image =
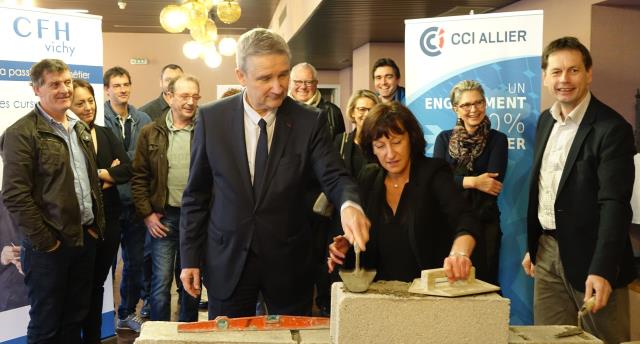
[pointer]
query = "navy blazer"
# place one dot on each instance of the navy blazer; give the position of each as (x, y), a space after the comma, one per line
(220, 217)
(592, 207)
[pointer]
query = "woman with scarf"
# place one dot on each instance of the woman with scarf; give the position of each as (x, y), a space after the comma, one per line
(478, 157)
(114, 167)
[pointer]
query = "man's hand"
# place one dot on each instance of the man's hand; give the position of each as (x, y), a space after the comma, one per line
(528, 266)
(190, 278)
(337, 252)
(10, 255)
(355, 225)
(155, 227)
(601, 287)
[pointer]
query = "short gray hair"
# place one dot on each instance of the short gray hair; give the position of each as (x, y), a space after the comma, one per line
(259, 42)
(309, 66)
(464, 86)
(186, 77)
(46, 66)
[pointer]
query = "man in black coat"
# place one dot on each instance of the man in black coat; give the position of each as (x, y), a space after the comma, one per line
(242, 210)
(579, 202)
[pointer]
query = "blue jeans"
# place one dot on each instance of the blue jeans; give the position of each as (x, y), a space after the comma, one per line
(132, 236)
(164, 253)
(59, 285)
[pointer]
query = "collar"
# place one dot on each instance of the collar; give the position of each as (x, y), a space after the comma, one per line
(72, 121)
(574, 116)
(254, 116)
(169, 120)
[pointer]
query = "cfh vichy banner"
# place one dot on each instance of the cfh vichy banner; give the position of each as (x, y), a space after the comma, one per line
(502, 52)
(28, 36)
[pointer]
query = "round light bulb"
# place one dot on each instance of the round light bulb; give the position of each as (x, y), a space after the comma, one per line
(210, 56)
(173, 18)
(197, 12)
(192, 50)
(229, 11)
(227, 46)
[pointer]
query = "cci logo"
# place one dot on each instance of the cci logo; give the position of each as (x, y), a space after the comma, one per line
(432, 41)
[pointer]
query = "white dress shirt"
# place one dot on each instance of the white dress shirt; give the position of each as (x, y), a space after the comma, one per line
(555, 157)
(252, 132)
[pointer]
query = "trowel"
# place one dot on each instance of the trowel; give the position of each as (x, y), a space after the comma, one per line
(586, 308)
(434, 282)
(357, 280)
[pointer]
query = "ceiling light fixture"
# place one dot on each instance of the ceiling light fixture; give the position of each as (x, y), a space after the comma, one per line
(195, 16)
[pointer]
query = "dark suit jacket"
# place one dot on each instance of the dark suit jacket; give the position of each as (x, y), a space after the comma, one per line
(220, 217)
(592, 208)
(437, 213)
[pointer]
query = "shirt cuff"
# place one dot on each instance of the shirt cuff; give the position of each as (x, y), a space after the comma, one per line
(351, 204)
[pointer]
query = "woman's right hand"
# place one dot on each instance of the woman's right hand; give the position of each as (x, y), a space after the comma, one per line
(487, 183)
(337, 252)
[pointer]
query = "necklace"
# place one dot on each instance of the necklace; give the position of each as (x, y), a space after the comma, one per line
(397, 185)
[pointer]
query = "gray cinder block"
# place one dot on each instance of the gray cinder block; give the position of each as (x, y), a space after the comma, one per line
(161, 332)
(388, 313)
(547, 335)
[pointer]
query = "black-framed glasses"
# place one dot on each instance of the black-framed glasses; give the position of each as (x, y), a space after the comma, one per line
(479, 104)
(307, 83)
(362, 110)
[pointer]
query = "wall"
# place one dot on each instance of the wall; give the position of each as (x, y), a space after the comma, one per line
(160, 50)
(561, 18)
(616, 57)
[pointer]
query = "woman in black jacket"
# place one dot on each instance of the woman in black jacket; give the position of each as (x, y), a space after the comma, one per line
(418, 217)
(114, 167)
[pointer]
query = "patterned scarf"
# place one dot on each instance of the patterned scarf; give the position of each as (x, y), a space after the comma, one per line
(466, 147)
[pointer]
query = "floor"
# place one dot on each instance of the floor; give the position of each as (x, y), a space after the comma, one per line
(128, 337)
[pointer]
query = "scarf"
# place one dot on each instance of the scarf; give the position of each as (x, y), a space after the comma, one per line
(466, 147)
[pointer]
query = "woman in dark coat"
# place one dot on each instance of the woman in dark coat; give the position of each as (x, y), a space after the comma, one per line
(478, 156)
(114, 167)
(418, 217)
(358, 107)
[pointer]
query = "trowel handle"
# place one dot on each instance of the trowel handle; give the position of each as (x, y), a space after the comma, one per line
(356, 248)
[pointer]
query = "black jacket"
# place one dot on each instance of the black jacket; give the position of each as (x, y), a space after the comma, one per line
(38, 182)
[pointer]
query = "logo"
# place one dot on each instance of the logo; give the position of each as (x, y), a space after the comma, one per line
(429, 37)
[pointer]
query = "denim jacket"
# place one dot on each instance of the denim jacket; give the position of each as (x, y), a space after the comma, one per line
(111, 121)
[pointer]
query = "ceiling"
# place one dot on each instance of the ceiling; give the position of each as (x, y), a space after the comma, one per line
(328, 38)
(143, 15)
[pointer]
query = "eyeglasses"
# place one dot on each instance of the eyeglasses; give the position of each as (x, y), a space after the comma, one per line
(362, 110)
(307, 83)
(185, 97)
(479, 104)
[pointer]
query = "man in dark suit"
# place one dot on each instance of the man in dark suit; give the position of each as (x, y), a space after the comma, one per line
(243, 212)
(579, 212)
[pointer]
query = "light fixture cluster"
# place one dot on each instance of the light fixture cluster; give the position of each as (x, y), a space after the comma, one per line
(194, 15)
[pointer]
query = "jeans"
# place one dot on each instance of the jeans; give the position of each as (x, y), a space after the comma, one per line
(59, 287)
(132, 236)
(164, 253)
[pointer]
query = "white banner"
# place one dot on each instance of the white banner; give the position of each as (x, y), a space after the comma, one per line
(502, 52)
(28, 36)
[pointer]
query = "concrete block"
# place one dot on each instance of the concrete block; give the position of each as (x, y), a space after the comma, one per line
(320, 336)
(388, 313)
(547, 335)
(161, 332)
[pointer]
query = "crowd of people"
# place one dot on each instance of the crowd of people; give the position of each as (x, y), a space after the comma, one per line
(261, 195)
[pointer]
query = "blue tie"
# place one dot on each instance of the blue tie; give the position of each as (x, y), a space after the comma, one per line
(262, 153)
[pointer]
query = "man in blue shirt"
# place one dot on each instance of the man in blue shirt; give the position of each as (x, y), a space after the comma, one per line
(126, 122)
(386, 81)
